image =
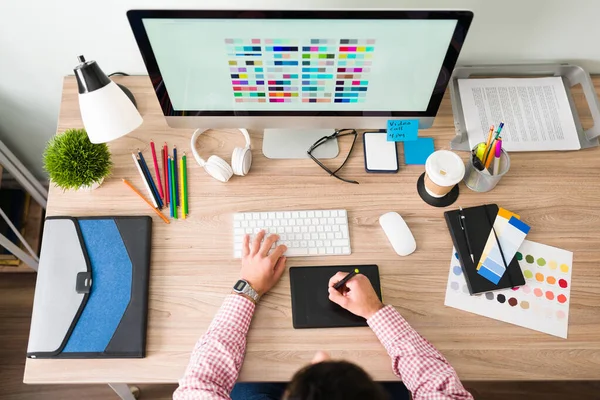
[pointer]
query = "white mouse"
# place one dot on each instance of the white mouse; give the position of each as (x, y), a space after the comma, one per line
(398, 233)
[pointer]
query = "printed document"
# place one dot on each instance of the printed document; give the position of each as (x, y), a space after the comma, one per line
(535, 112)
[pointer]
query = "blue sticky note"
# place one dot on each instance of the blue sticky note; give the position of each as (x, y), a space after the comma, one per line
(401, 130)
(417, 151)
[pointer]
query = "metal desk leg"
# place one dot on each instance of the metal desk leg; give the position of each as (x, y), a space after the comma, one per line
(124, 391)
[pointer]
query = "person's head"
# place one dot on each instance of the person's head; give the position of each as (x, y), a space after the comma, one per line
(325, 379)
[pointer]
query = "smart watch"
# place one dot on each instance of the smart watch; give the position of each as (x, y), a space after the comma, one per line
(244, 288)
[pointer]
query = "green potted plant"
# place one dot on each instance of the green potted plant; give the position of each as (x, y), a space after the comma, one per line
(73, 162)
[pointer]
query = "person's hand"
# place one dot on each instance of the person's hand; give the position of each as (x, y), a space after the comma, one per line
(259, 268)
(356, 296)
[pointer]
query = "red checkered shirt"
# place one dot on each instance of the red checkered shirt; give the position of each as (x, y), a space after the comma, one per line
(218, 356)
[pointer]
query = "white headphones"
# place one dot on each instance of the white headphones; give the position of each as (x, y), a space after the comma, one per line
(215, 166)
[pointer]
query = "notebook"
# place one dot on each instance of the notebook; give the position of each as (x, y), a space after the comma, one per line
(91, 295)
(479, 222)
(311, 307)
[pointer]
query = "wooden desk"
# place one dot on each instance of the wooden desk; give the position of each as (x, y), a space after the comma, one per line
(193, 269)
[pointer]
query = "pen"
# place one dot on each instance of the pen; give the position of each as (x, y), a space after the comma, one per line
(341, 283)
(498, 154)
(463, 226)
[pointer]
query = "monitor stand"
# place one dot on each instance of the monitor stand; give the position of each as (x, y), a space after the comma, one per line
(294, 143)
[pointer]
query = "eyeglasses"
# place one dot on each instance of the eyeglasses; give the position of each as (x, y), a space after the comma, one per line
(337, 134)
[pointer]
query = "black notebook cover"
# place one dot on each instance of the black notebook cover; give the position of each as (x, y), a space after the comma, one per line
(479, 221)
(91, 298)
(311, 307)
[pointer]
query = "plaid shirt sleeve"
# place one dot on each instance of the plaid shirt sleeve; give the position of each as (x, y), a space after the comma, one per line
(218, 356)
(424, 371)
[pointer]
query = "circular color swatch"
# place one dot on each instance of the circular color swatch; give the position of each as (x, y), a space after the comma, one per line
(524, 305)
(489, 296)
(549, 295)
(538, 292)
(552, 264)
(513, 302)
(560, 314)
(456, 255)
(501, 298)
(526, 289)
(529, 258)
(519, 256)
(457, 270)
(562, 283)
(454, 285)
(551, 280)
(561, 298)
(541, 262)
(515, 288)
(528, 274)
(539, 277)
(564, 268)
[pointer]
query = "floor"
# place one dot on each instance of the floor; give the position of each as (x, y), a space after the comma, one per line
(16, 299)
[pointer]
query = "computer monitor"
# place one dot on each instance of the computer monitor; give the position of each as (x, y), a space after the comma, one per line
(294, 73)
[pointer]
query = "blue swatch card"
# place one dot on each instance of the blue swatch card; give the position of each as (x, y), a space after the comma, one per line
(401, 130)
(417, 151)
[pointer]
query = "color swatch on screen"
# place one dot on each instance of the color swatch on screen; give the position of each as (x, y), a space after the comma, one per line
(280, 70)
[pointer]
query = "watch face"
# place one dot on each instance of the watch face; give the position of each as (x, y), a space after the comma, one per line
(239, 286)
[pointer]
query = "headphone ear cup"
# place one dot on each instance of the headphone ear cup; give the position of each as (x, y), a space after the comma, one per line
(241, 160)
(219, 169)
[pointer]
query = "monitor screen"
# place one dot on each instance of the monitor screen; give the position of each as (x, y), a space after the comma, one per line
(256, 63)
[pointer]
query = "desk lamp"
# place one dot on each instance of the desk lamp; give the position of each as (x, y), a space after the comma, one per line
(108, 110)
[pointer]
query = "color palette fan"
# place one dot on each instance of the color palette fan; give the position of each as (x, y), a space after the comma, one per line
(542, 304)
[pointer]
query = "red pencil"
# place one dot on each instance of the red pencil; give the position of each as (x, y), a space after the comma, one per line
(166, 171)
(156, 170)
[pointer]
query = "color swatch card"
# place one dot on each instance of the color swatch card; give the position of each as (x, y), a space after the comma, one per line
(507, 236)
(542, 304)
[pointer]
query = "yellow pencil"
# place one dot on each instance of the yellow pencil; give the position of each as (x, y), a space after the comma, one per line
(181, 194)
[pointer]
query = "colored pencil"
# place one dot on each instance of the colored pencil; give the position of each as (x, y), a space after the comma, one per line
(170, 189)
(181, 188)
(149, 178)
(157, 171)
(176, 197)
(166, 171)
(125, 181)
(185, 186)
(490, 133)
(173, 189)
(137, 164)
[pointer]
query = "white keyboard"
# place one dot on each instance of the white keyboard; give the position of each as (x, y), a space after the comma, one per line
(305, 233)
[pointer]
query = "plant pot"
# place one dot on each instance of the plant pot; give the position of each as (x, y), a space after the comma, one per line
(91, 187)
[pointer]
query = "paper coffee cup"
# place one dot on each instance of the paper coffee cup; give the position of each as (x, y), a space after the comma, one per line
(443, 170)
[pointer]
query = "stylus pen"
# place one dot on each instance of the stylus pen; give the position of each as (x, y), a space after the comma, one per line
(176, 196)
(341, 283)
(463, 225)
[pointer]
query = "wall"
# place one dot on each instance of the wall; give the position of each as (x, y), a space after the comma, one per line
(40, 39)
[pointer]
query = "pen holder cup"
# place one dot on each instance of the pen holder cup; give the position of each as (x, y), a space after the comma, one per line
(484, 181)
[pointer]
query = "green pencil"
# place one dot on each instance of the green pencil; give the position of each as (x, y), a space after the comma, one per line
(173, 186)
(185, 189)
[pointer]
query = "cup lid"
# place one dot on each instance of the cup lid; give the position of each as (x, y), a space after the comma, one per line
(445, 168)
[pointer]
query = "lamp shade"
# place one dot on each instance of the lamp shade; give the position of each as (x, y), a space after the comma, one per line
(106, 111)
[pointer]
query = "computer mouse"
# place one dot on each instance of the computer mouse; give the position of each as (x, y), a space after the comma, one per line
(398, 233)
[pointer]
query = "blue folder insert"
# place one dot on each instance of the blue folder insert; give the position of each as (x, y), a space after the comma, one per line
(110, 292)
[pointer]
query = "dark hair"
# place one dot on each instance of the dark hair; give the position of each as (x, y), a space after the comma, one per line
(333, 380)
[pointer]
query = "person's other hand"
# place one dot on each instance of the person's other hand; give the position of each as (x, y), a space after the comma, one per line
(259, 268)
(356, 296)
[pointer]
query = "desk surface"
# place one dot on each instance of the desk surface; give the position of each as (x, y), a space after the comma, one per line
(192, 266)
